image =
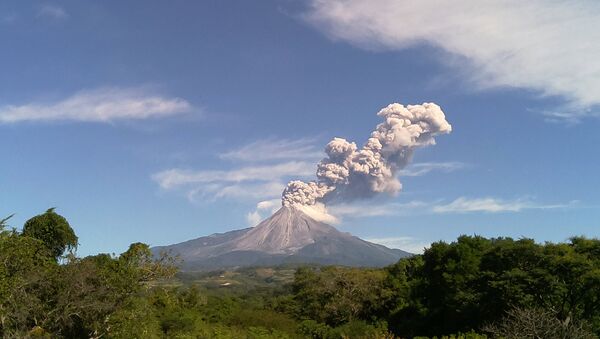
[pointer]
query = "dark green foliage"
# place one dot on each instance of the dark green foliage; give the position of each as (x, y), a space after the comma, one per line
(73, 299)
(335, 295)
(503, 287)
(469, 335)
(53, 230)
(475, 281)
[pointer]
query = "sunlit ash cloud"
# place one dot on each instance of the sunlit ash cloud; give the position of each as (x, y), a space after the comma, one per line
(349, 173)
(98, 105)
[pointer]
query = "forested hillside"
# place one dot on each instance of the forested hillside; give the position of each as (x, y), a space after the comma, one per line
(475, 286)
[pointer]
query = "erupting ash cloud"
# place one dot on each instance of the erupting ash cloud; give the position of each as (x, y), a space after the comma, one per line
(349, 173)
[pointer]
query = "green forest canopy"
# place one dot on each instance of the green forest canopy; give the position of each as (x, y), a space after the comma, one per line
(495, 287)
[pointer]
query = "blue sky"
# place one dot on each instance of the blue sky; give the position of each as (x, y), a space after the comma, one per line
(160, 121)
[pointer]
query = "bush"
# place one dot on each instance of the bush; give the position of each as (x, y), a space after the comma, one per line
(524, 323)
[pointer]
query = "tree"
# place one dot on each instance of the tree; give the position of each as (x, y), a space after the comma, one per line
(53, 230)
(24, 262)
(336, 295)
(3, 223)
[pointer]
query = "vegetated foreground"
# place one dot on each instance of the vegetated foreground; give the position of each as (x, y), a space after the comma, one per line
(483, 288)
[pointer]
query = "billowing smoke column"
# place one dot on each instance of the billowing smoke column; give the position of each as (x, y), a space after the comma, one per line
(349, 173)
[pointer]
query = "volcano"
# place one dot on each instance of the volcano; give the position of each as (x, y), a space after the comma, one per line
(289, 236)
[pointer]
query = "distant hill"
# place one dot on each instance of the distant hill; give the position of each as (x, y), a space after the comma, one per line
(288, 236)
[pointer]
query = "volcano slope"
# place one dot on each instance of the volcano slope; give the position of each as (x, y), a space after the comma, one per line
(289, 236)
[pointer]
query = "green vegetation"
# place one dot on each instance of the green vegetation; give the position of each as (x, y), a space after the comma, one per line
(53, 230)
(473, 288)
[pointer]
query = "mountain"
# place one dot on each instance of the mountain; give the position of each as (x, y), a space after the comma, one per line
(288, 236)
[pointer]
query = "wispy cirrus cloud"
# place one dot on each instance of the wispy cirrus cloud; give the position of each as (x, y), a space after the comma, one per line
(97, 105)
(241, 191)
(245, 182)
(361, 210)
(541, 45)
(456, 206)
(52, 12)
(423, 168)
(408, 244)
(494, 205)
(179, 177)
(259, 172)
(275, 149)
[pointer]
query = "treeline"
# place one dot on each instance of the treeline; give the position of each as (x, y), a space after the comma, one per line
(472, 288)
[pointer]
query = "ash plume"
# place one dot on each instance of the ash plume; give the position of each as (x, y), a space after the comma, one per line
(348, 173)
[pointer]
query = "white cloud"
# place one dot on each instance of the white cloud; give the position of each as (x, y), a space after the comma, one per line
(52, 12)
(362, 210)
(254, 191)
(262, 208)
(492, 205)
(98, 105)
(459, 205)
(407, 244)
(260, 176)
(275, 149)
(222, 190)
(419, 169)
(547, 46)
(273, 205)
(178, 177)
(319, 212)
(253, 218)
(249, 182)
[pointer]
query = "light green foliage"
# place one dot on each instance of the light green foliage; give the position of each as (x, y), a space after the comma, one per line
(23, 264)
(136, 319)
(335, 295)
(139, 260)
(53, 230)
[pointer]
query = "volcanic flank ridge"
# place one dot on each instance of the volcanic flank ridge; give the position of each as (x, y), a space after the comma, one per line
(288, 236)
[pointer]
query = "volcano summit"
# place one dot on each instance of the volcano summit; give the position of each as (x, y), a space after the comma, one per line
(288, 236)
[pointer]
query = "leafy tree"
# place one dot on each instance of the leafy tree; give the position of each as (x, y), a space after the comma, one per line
(336, 295)
(24, 263)
(4, 222)
(139, 259)
(473, 281)
(136, 320)
(53, 230)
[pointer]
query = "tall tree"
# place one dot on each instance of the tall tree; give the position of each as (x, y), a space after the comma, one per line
(53, 230)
